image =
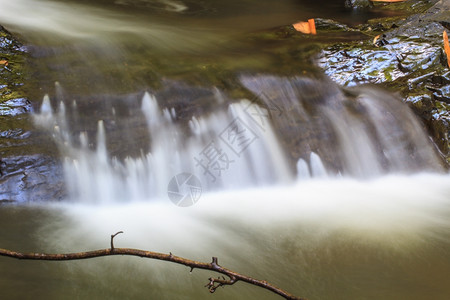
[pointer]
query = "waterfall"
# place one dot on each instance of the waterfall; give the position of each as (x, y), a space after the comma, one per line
(227, 149)
(239, 145)
(361, 132)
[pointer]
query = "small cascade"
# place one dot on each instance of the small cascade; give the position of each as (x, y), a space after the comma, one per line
(317, 168)
(303, 169)
(243, 144)
(361, 132)
(227, 149)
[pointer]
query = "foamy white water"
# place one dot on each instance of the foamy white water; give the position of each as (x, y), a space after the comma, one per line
(392, 209)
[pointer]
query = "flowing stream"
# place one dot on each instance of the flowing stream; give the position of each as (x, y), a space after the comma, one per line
(172, 125)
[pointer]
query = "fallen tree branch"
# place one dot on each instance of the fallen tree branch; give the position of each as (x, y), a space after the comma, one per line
(213, 284)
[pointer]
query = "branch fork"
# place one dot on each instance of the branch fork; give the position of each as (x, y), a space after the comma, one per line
(112, 239)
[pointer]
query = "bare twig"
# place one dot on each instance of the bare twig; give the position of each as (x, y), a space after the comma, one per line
(213, 284)
(112, 239)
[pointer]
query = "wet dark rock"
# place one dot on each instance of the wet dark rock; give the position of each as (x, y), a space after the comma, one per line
(28, 171)
(366, 63)
(190, 100)
(9, 45)
(406, 56)
(31, 178)
(15, 107)
(358, 4)
(12, 75)
(441, 78)
(331, 25)
(29, 168)
(422, 105)
(441, 93)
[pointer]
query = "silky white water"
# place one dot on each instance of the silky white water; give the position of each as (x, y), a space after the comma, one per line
(396, 209)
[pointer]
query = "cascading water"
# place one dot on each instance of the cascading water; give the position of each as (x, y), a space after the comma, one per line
(363, 132)
(228, 149)
(365, 135)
